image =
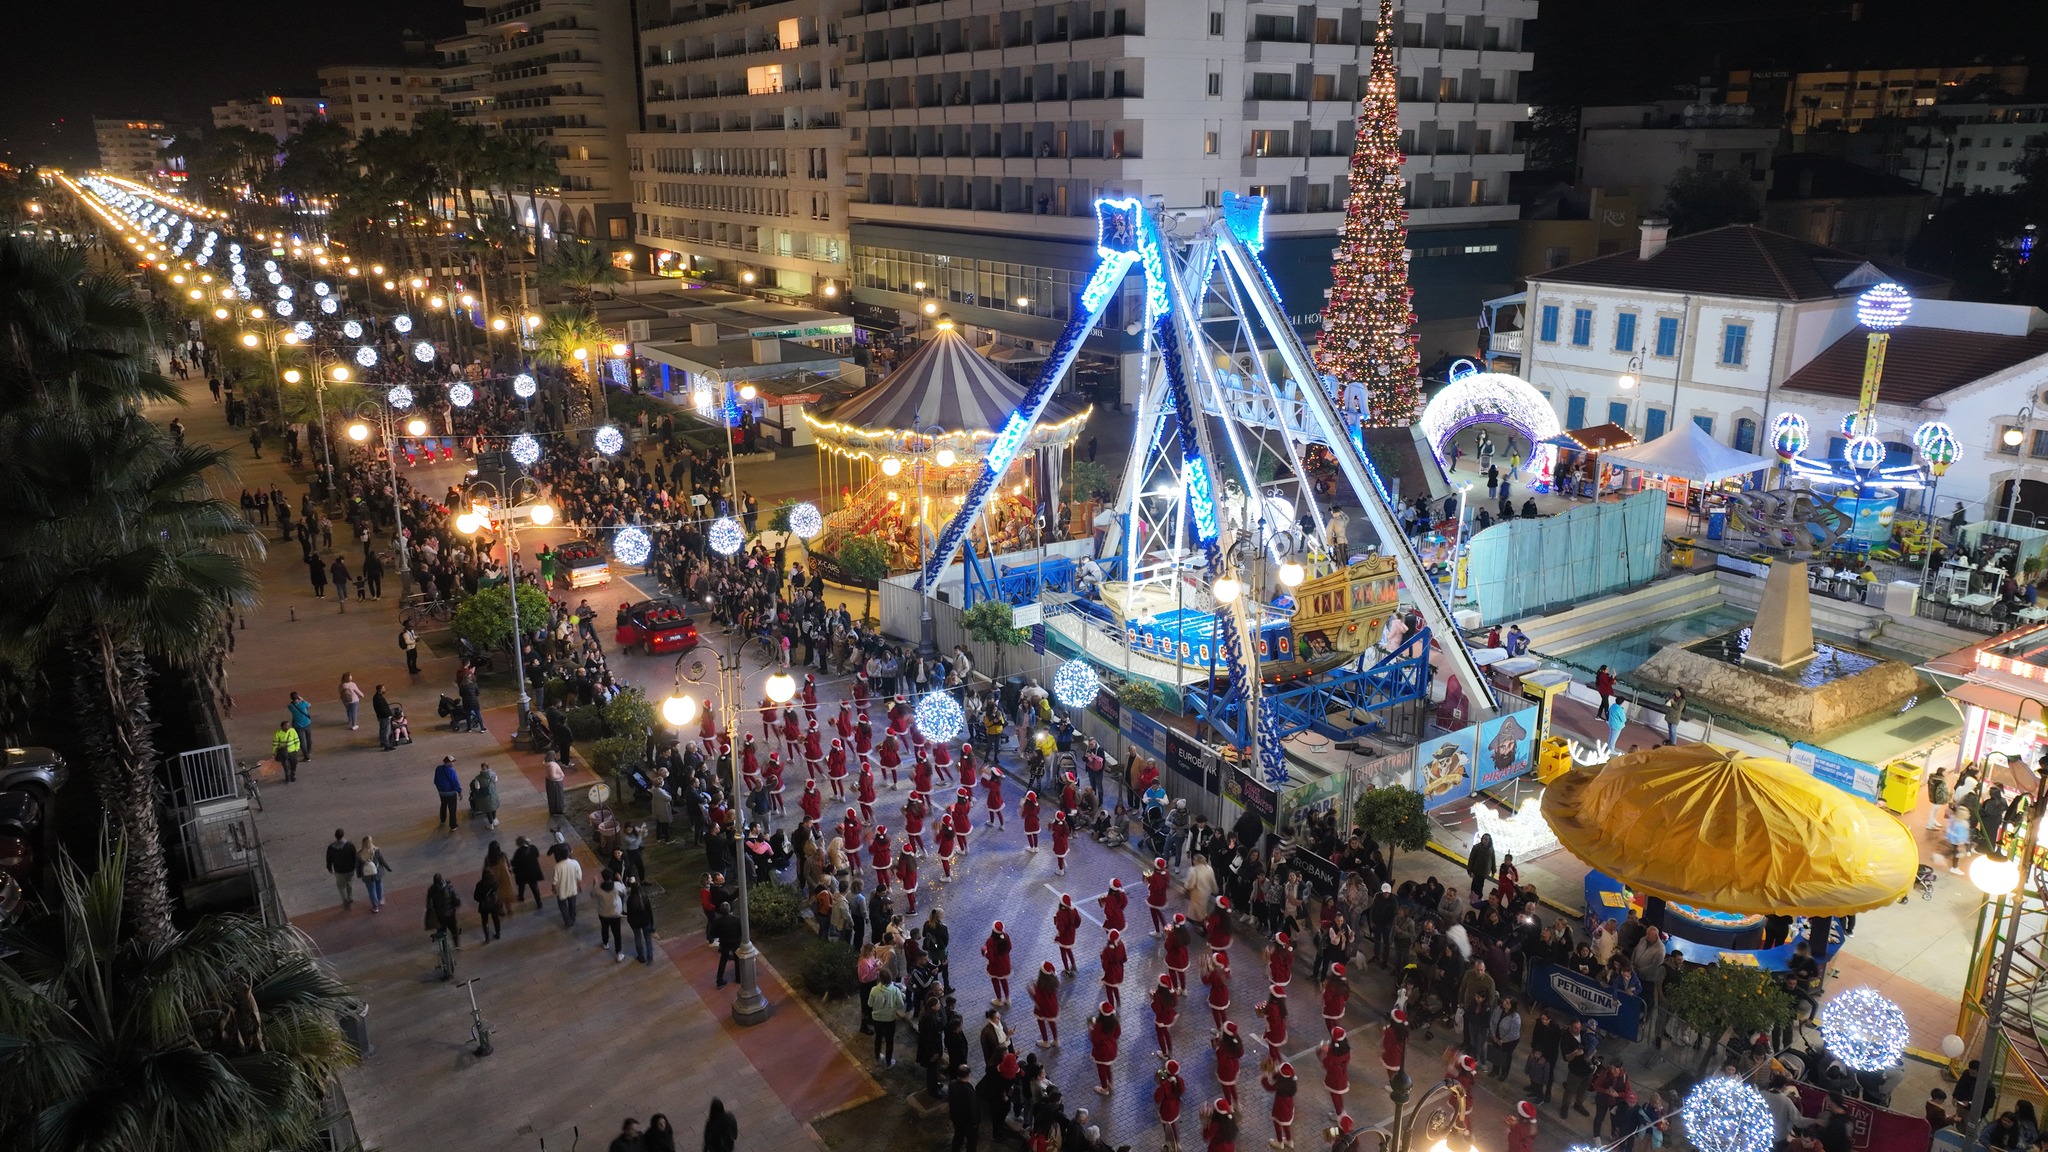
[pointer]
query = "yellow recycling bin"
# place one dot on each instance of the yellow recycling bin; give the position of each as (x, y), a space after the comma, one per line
(1901, 789)
(1554, 760)
(1681, 551)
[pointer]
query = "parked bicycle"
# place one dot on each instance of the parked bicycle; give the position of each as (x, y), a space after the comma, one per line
(250, 790)
(446, 944)
(479, 1031)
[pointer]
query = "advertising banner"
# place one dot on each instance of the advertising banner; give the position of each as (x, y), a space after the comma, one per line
(1507, 747)
(1191, 761)
(1246, 791)
(1851, 776)
(1616, 1013)
(1871, 1129)
(1443, 768)
(1320, 872)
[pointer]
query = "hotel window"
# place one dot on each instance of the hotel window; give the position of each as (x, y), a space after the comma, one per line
(1215, 83)
(1625, 332)
(1209, 144)
(1734, 345)
(1582, 327)
(2040, 444)
(1546, 327)
(1667, 336)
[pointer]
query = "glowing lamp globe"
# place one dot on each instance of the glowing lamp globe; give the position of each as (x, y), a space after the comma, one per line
(525, 449)
(320, 288)
(400, 397)
(1292, 574)
(523, 386)
(367, 357)
(1864, 1030)
(678, 710)
(1789, 434)
(402, 323)
(1995, 875)
(780, 688)
(726, 536)
(284, 292)
(353, 329)
(609, 440)
(1227, 590)
(806, 521)
(631, 546)
(891, 466)
(1884, 307)
(423, 352)
(359, 432)
(1725, 1114)
(302, 330)
(416, 427)
(946, 457)
(1075, 684)
(284, 307)
(1864, 453)
(939, 717)
(541, 514)
(461, 395)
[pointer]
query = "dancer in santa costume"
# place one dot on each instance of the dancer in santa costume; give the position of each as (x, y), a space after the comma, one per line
(1028, 811)
(1216, 974)
(1158, 881)
(1280, 1081)
(1522, 1128)
(775, 786)
(993, 782)
(1229, 1050)
(1113, 958)
(906, 879)
(1167, 1090)
(942, 760)
(920, 772)
(1219, 1125)
(1335, 1056)
(1274, 1013)
(1165, 1010)
(864, 744)
(1219, 928)
(850, 834)
(770, 713)
(860, 690)
(750, 765)
(1045, 1006)
(842, 722)
(1066, 921)
(889, 754)
(810, 698)
(1336, 996)
(1104, 1030)
(1061, 836)
(996, 951)
(864, 791)
(948, 845)
(792, 736)
(879, 857)
(812, 802)
(1175, 949)
(913, 824)
(963, 816)
(1393, 1044)
(1113, 903)
(814, 749)
(835, 771)
(1280, 960)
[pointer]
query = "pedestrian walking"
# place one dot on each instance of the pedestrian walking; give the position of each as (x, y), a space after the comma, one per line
(449, 787)
(640, 918)
(611, 914)
(721, 1128)
(372, 868)
(351, 698)
(341, 864)
(301, 711)
(558, 795)
(338, 573)
(490, 909)
(567, 883)
(442, 905)
(409, 643)
(885, 1005)
(483, 796)
(725, 933)
(527, 873)
(284, 746)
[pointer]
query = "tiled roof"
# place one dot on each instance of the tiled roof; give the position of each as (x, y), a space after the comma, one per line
(1919, 363)
(1739, 260)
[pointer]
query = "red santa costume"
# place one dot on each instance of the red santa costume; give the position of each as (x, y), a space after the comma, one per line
(968, 761)
(913, 825)
(810, 698)
(770, 713)
(860, 690)
(1113, 904)
(1165, 1010)
(1216, 974)
(1282, 1084)
(1061, 834)
(993, 782)
(811, 802)
(835, 770)
(775, 788)
(1166, 1097)
(920, 773)
(889, 754)
(996, 952)
(942, 761)
(1274, 1012)
(1113, 958)
(963, 816)
(750, 765)
(1335, 1055)
(1066, 921)
(814, 749)
(1029, 811)
(1229, 1051)
(850, 832)
(1104, 1030)
(1219, 1126)
(879, 857)
(906, 878)
(1336, 996)
(1219, 927)
(864, 743)
(792, 735)
(1522, 1128)
(1045, 1006)
(1280, 960)
(1175, 950)
(842, 724)
(899, 717)
(1393, 1044)
(864, 791)
(948, 846)
(1158, 882)
(707, 731)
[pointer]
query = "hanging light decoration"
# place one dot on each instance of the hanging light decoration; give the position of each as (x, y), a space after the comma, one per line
(423, 352)
(1864, 1030)
(1884, 307)
(939, 717)
(302, 330)
(461, 395)
(806, 521)
(1076, 684)
(1789, 434)
(367, 357)
(400, 397)
(524, 387)
(1864, 453)
(402, 322)
(329, 305)
(726, 535)
(284, 308)
(609, 440)
(525, 449)
(320, 288)
(1725, 1114)
(353, 329)
(631, 546)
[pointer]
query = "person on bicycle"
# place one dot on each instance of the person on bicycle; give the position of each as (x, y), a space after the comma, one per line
(443, 902)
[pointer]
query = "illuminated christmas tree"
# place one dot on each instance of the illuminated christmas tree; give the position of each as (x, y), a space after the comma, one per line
(1369, 324)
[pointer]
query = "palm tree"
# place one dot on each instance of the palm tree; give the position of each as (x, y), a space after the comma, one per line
(562, 333)
(69, 336)
(578, 269)
(221, 1038)
(116, 552)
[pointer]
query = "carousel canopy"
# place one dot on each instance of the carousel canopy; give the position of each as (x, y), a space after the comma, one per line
(946, 382)
(1689, 453)
(1713, 828)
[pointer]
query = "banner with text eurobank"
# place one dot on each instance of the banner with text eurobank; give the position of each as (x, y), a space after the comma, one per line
(1443, 768)
(1566, 990)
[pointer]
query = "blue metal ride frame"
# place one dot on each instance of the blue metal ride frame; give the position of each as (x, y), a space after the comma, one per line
(1399, 677)
(1022, 583)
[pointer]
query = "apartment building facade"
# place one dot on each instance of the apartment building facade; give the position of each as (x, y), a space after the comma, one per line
(1848, 100)
(1955, 149)
(979, 135)
(379, 97)
(280, 117)
(739, 170)
(131, 147)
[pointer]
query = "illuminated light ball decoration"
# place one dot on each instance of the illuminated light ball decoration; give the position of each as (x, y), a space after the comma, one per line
(284, 308)
(400, 397)
(525, 449)
(1864, 1030)
(1075, 683)
(726, 535)
(367, 357)
(461, 395)
(523, 386)
(353, 329)
(1864, 453)
(402, 322)
(1939, 447)
(1884, 307)
(284, 291)
(1725, 1114)
(423, 352)
(609, 440)
(1790, 435)
(806, 521)
(302, 330)
(329, 306)
(939, 717)
(631, 546)
(320, 288)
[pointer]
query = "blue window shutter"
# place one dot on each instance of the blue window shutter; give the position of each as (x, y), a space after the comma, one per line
(1653, 423)
(1547, 330)
(1667, 336)
(1732, 341)
(1582, 327)
(1745, 435)
(1625, 332)
(1706, 424)
(1617, 413)
(1575, 412)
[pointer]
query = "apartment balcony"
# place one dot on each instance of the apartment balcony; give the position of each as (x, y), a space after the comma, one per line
(1505, 343)
(699, 13)
(1414, 60)
(1087, 48)
(995, 167)
(993, 112)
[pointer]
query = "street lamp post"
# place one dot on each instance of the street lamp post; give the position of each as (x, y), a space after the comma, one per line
(521, 500)
(1397, 1132)
(2012, 438)
(359, 431)
(750, 1006)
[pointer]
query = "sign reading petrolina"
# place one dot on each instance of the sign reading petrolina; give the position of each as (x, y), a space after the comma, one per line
(816, 331)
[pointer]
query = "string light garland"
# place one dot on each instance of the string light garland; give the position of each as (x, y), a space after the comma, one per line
(1864, 1030)
(1075, 683)
(1369, 321)
(525, 449)
(461, 395)
(939, 717)
(726, 536)
(806, 521)
(609, 440)
(631, 546)
(1725, 1114)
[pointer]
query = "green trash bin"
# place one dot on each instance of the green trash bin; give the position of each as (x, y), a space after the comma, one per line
(1901, 788)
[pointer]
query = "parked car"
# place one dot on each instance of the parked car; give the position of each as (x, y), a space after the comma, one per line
(34, 768)
(21, 832)
(656, 627)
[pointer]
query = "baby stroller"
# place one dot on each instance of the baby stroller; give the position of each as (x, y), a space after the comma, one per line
(401, 729)
(1923, 879)
(455, 712)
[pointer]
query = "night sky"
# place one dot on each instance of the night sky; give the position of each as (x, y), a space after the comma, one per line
(63, 63)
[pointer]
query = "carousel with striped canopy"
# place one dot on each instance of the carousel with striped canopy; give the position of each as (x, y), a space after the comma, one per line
(933, 419)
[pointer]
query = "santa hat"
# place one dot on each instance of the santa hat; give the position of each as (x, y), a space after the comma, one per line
(773, 757)
(1173, 1067)
(860, 675)
(1336, 1033)
(1286, 1069)
(1337, 970)
(1107, 1009)
(1280, 938)
(814, 726)
(1066, 901)
(849, 813)
(1220, 959)
(836, 743)
(1115, 935)
(1343, 1122)
(1116, 882)
(1180, 918)
(1045, 967)
(1030, 795)
(810, 785)
(1526, 1110)
(882, 830)
(1230, 1027)
(999, 926)
(1159, 862)
(1223, 1106)
(1008, 1067)
(1165, 981)
(808, 678)
(967, 793)
(1280, 991)
(750, 737)
(1468, 1063)
(900, 700)
(1400, 1016)
(1223, 902)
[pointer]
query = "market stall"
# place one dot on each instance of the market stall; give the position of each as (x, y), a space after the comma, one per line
(1580, 469)
(1690, 466)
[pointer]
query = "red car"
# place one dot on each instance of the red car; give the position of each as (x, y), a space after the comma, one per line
(656, 627)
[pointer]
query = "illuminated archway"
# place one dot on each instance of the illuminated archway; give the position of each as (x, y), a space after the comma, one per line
(1475, 398)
